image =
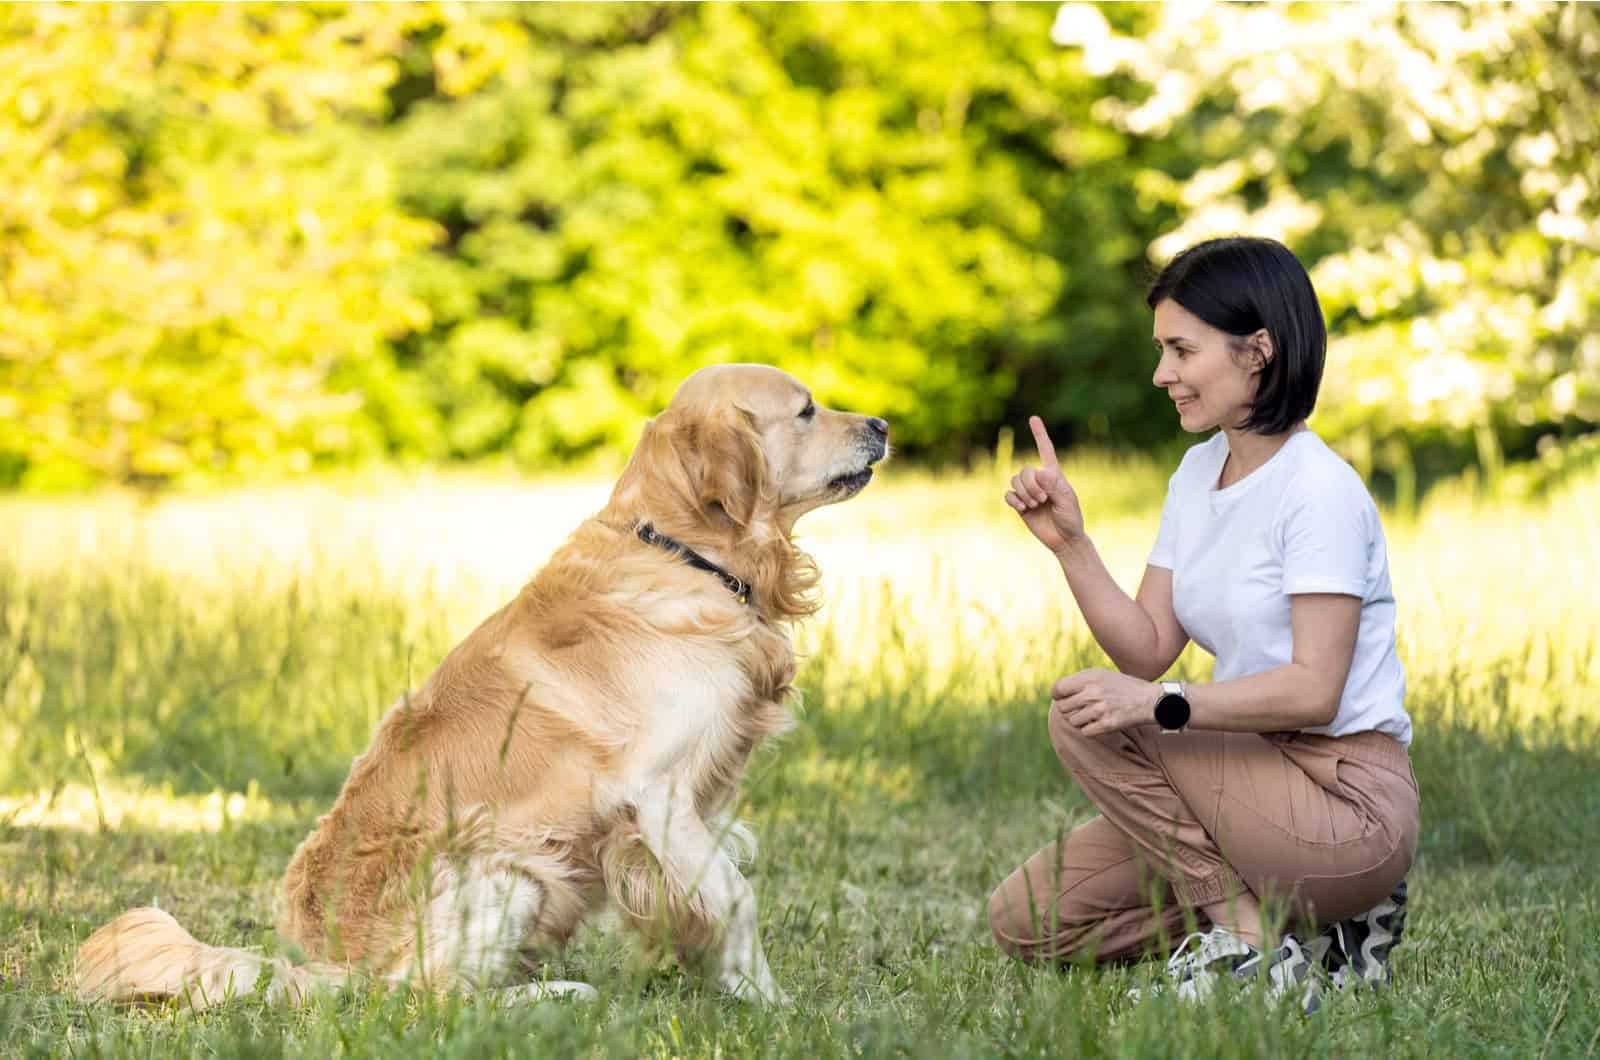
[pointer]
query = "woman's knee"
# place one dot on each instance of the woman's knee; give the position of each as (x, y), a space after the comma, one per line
(1022, 932)
(1031, 927)
(1075, 750)
(1063, 737)
(1121, 753)
(1008, 929)
(1020, 919)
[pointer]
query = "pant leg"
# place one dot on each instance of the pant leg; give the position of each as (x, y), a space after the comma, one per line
(1127, 783)
(1089, 896)
(1330, 825)
(1326, 824)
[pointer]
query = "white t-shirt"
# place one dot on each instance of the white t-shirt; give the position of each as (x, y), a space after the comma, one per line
(1303, 522)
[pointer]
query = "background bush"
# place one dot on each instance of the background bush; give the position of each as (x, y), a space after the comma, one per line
(256, 238)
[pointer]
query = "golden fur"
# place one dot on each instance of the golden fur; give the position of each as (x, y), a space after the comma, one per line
(582, 743)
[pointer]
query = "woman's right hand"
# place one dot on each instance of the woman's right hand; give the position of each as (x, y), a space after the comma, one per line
(1043, 498)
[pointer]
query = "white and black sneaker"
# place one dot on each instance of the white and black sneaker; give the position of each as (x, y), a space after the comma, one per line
(1204, 958)
(1356, 951)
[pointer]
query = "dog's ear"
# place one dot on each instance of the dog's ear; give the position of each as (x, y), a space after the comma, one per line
(729, 466)
(713, 468)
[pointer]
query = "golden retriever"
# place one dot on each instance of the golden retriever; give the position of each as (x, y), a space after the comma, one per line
(582, 744)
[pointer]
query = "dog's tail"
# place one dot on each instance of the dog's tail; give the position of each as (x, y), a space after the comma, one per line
(144, 954)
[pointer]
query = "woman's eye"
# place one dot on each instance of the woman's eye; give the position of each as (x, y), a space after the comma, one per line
(809, 411)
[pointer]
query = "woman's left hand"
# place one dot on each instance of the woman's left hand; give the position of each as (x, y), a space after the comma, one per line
(1096, 702)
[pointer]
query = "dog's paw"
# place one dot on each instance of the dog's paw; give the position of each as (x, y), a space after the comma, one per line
(762, 990)
(542, 991)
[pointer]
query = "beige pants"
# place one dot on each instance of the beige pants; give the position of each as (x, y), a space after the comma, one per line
(1324, 826)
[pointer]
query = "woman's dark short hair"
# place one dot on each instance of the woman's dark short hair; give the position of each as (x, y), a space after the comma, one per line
(1240, 285)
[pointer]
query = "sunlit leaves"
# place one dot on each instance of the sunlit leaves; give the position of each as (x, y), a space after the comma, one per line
(193, 254)
(247, 238)
(1438, 163)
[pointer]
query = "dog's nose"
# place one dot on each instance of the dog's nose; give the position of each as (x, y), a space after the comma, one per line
(881, 426)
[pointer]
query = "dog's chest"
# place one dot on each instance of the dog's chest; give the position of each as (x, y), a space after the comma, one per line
(709, 707)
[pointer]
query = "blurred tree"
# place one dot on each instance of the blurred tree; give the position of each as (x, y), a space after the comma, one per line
(909, 207)
(246, 237)
(1439, 164)
(193, 262)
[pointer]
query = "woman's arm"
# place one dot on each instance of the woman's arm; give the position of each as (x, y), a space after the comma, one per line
(1142, 635)
(1303, 693)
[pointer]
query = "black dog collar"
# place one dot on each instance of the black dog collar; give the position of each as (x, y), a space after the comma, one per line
(735, 584)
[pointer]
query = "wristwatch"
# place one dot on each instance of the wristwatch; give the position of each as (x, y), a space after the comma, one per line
(1172, 709)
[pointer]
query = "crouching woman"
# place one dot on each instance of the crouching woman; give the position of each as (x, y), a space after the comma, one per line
(1286, 778)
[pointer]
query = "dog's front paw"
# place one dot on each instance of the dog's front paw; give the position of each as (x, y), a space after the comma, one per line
(759, 990)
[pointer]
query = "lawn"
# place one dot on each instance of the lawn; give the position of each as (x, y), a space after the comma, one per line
(183, 683)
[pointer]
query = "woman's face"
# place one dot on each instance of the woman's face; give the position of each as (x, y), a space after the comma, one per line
(1209, 378)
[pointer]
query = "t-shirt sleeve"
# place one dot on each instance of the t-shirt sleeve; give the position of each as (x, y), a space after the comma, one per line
(1164, 553)
(1328, 528)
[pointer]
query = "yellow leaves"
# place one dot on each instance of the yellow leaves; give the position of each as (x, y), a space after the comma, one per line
(224, 221)
(174, 211)
(829, 288)
(472, 50)
(124, 407)
(157, 458)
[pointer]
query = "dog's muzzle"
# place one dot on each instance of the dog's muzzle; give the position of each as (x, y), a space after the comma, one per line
(874, 446)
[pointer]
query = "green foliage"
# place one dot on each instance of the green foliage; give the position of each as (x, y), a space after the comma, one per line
(1439, 164)
(196, 248)
(889, 208)
(249, 238)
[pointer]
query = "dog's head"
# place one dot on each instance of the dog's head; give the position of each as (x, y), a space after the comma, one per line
(738, 455)
(746, 446)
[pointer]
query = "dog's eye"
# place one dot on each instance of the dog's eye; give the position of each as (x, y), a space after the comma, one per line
(809, 411)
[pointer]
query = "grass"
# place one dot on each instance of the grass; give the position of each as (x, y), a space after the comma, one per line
(182, 685)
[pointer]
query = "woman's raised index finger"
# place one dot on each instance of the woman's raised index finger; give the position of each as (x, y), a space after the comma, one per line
(1041, 438)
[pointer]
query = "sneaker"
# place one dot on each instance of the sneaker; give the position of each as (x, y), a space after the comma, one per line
(1356, 951)
(1204, 958)
(1200, 948)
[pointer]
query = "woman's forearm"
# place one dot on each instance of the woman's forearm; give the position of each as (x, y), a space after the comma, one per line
(1284, 698)
(1123, 629)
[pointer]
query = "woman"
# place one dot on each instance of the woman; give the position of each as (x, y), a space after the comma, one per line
(1286, 778)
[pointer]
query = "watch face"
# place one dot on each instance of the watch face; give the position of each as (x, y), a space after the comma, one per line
(1172, 711)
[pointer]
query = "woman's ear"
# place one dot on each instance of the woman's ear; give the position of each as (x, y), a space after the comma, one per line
(1261, 349)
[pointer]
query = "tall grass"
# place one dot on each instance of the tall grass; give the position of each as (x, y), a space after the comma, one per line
(183, 683)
